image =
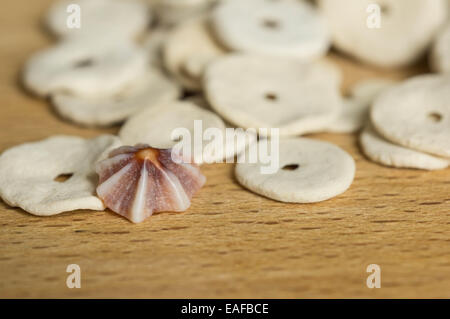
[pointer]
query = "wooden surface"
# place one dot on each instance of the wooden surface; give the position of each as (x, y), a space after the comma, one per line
(231, 243)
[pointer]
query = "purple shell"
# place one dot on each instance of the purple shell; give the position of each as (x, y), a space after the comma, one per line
(137, 181)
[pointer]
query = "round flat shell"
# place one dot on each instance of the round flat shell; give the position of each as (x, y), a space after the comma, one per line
(151, 89)
(416, 114)
(85, 67)
(386, 153)
(30, 174)
(283, 28)
(253, 91)
(386, 33)
(308, 171)
(168, 124)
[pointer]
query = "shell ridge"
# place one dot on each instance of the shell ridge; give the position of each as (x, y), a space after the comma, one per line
(140, 195)
(190, 177)
(109, 183)
(113, 165)
(179, 192)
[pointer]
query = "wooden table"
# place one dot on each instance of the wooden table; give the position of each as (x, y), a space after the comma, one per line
(231, 243)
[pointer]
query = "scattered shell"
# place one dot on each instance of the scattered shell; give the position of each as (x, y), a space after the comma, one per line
(85, 67)
(416, 114)
(307, 171)
(54, 175)
(137, 181)
(234, 144)
(254, 91)
(281, 28)
(150, 89)
(156, 126)
(413, 23)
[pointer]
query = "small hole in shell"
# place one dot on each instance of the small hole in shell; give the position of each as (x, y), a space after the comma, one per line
(84, 63)
(61, 178)
(384, 9)
(290, 167)
(348, 94)
(177, 139)
(271, 23)
(435, 117)
(271, 97)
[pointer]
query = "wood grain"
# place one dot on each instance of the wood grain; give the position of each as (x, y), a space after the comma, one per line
(231, 243)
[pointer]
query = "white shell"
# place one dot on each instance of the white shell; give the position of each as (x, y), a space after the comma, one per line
(384, 152)
(150, 89)
(85, 67)
(321, 171)
(416, 114)
(282, 28)
(407, 28)
(27, 174)
(155, 126)
(253, 91)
